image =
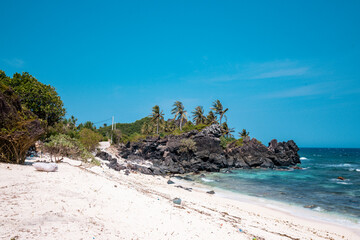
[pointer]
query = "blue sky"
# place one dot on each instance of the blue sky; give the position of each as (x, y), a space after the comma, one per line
(285, 69)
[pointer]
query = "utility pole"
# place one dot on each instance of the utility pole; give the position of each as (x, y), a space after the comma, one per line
(112, 129)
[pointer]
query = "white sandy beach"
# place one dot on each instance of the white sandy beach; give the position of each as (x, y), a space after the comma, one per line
(99, 203)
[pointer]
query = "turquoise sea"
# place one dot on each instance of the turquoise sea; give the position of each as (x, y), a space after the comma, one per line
(316, 186)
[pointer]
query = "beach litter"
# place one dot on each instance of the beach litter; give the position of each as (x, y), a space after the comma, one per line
(45, 167)
(170, 182)
(211, 192)
(177, 201)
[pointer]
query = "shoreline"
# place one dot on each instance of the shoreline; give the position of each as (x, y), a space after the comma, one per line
(82, 201)
(294, 210)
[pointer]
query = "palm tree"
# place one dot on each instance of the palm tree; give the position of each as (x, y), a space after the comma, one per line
(198, 115)
(243, 134)
(219, 110)
(179, 112)
(211, 118)
(157, 116)
(226, 130)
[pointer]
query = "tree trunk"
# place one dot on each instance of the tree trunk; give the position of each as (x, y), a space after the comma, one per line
(181, 123)
(157, 127)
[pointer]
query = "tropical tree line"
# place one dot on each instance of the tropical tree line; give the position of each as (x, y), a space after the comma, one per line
(181, 122)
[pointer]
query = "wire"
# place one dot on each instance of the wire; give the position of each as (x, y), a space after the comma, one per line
(103, 121)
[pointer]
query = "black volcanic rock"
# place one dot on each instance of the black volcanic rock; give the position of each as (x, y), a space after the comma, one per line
(168, 156)
(104, 156)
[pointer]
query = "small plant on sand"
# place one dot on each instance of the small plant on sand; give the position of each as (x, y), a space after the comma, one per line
(62, 145)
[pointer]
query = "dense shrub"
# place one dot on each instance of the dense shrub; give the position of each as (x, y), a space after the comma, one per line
(187, 145)
(62, 145)
(39, 98)
(89, 139)
(224, 141)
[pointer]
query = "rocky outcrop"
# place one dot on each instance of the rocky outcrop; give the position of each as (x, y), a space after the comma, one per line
(19, 128)
(201, 151)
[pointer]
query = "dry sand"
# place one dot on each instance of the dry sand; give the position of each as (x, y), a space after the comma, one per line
(98, 203)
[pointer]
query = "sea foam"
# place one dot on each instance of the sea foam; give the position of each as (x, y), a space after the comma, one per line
(207, 180)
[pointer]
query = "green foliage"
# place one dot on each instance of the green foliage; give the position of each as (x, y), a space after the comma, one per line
(198, 115)
(239, 142)
(95, 162)
(131, 128)
(116, 136)
(157, 116)
(189, 127)
(224, 141)
(211, 118)
(219, 110)
(126, 131)
(19, 128)
(244, 133)
(133, 138)
(39, 98)
(179, 112)
(147, 129)
(226, 131)
(62, 145)
(89, 139)
(66, 126)
(187, 145)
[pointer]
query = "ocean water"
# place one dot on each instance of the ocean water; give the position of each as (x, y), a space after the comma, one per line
(315, 186)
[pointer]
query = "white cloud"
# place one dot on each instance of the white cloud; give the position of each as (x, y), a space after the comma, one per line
(14, 62)
(302, 91)
(283, 73)
(273, 69)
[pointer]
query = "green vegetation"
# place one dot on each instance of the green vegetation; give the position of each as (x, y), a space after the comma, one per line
(187, 145)
(19, 128)
(244, 133)
(156, 117)
(179, 112)
(62, 145)
(39, 98)
(28, 104)
(219, 110)
(198, 115)
(224, 141)
(89, 139)
(226, 131)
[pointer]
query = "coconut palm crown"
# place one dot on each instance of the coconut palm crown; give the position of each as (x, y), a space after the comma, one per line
(244, 133)
(211, 118)
(226, 131)
(179, 112)
(198, 115)
(219, 110)
(157, 116)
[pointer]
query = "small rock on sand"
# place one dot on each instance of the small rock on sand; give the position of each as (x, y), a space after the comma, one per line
(177, 201)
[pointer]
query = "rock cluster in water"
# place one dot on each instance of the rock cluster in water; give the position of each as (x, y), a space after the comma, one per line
(176, 155)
